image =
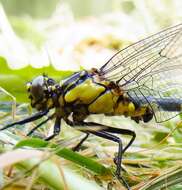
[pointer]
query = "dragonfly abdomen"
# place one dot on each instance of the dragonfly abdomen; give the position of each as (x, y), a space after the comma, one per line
(165, 104)
(129, 108)
(169, 104)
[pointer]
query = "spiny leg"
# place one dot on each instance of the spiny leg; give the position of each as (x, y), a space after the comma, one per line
(57, 127)
(78, 146)
(102, 133)
(39, 125)
(123, 132)
(27, 120)
(114, 138)
(72, 124)
(117, 131)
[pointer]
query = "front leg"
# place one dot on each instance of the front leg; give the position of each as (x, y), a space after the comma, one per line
(78, 146)
(39, 125)
(27, 120)
(57, 128)
(72, 124)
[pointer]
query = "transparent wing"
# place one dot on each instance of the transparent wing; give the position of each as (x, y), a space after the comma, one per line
(150, 67)
(151, 89)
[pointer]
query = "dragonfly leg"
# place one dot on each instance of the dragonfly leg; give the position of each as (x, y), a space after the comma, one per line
(39, 125)
(72, 124)
(104, 132)
(123, 132)
(114, 138)
(115, 130)
(27, 120)
(57, 128)
(78, 146)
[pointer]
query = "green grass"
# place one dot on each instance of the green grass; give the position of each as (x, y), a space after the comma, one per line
(149, 164)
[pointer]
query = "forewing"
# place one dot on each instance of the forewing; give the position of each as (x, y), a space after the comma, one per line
(154, 63)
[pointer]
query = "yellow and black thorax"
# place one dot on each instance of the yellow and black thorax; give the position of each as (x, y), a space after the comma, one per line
(84, 94)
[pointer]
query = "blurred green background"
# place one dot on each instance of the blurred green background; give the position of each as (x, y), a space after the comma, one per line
(44, 8)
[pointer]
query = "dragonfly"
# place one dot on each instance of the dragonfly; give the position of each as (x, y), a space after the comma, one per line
(142, 81)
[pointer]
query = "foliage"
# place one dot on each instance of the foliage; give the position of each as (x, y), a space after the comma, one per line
(16, 81)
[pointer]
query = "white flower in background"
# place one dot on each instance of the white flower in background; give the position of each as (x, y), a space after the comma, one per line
(95, 59)
(85, 43)
(39, 59)
(64, 59)
(71, 44)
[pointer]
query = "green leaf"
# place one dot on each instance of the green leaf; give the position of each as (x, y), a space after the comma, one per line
(32, 142)
(14, 80)
(49, 174)
(67, 154)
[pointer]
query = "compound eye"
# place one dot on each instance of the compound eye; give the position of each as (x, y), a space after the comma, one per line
(37, 87)
(50, 81)
(38, 81)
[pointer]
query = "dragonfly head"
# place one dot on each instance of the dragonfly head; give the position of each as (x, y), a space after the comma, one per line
(41, 92)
